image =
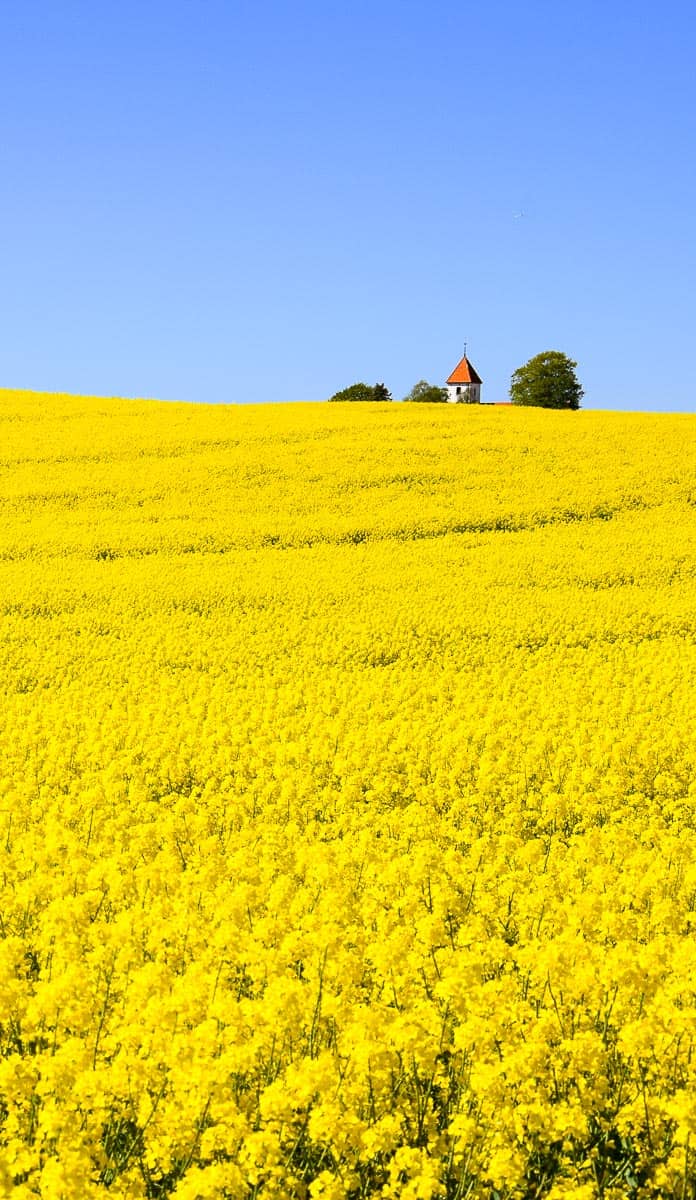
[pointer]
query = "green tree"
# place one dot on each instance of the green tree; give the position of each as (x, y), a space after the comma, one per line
(426, 393)
(547, 381)
(363, 391)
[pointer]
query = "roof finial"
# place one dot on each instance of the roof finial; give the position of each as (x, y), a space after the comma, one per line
(465, 348)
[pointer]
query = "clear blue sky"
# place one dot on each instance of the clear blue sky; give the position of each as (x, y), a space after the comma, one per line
(244, 201)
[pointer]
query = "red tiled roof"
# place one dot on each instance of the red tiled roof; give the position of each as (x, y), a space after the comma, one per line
(464, 373)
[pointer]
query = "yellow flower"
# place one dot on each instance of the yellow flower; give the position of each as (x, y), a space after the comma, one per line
(347, 800)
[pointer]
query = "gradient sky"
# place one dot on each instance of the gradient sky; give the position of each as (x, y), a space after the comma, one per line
(248, 201)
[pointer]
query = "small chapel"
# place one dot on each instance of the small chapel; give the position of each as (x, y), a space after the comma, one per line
(464, 384)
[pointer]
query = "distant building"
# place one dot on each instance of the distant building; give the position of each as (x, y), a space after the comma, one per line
(464, 384)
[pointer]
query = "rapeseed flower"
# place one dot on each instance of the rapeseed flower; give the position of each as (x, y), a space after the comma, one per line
(347, 835)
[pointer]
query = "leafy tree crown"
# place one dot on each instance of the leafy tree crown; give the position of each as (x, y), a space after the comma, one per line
(363, 391)
(547, 381)
(426, 393)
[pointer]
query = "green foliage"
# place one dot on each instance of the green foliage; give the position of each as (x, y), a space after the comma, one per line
(547, 381)
(363, 391)
(357, 391)
(426, 393)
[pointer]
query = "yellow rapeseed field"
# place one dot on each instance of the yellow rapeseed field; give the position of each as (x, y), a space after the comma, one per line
(347, 802)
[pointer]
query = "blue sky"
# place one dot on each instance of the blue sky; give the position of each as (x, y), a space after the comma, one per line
(248, 201)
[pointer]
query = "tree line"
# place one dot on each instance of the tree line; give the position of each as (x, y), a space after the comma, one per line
(546, 381)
